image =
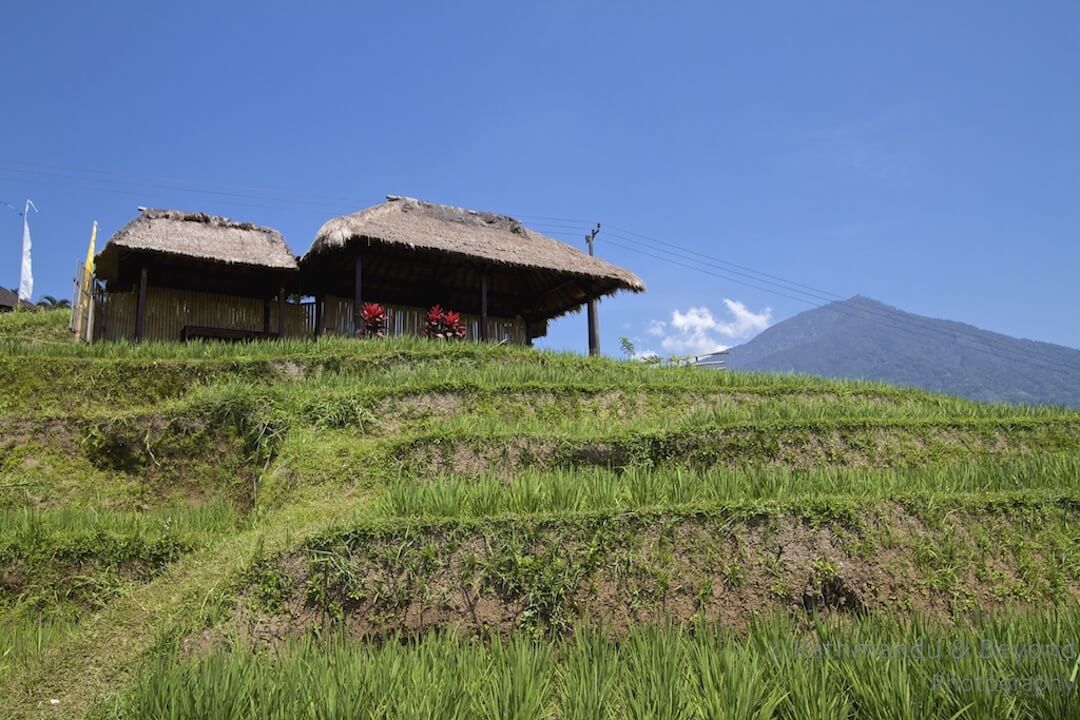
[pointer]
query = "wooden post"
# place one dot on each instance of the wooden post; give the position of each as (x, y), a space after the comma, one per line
(483, 305)
(358, 297)
(281, 311)
(318, 315)
(594, 321)
(140, 305)
(266, 316)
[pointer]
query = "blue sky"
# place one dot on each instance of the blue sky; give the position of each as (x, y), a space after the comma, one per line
(924, 154)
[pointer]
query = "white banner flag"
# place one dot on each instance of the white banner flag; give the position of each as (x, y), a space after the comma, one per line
(26, 277)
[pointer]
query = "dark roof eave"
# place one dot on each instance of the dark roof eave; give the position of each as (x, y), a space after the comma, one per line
(319, 249)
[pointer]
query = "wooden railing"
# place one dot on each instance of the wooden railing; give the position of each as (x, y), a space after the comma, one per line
(169, 311)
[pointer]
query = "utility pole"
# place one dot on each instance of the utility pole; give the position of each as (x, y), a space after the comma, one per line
(594, 323)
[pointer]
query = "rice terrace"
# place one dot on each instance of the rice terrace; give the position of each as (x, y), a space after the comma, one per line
(409, 528)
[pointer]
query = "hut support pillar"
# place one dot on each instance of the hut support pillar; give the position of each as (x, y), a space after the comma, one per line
(281, 312)
(266, 316)
(318, 315)
(483, 304)
(140, 305)
(594, 320)
(358, 297)
(594, 328)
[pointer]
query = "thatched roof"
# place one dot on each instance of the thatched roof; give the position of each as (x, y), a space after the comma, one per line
(8, 299)
(490, 238)
(197, 236)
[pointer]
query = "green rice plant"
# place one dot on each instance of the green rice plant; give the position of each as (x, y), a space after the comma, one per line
(441, 681)
(884, 685)
(588, 489)
(864, 668)
(654, 683)
(215, 686)
(516, 684)
(588, 674)
(730, 684)
(29, 526)
(811, 685)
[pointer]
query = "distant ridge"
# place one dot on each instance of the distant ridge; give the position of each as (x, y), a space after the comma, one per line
(863, 338)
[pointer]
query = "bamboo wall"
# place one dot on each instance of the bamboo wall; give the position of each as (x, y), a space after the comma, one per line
(169, 311)
(407, 320)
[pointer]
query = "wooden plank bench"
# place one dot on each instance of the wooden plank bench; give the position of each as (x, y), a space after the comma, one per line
(202, 332)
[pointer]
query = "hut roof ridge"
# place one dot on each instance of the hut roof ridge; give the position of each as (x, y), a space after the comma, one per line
(202, 236)
(495, 238)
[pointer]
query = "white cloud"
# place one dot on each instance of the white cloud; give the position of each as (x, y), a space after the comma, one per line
(698, 331)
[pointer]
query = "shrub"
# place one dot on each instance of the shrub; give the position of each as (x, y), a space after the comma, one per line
(444, 324)
(374, 317)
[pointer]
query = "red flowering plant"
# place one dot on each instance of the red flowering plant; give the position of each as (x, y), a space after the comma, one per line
(444, 324)
(374, 317)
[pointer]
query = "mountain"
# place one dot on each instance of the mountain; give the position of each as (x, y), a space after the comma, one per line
(863, 338)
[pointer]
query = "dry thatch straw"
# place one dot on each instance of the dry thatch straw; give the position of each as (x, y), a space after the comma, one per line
(495, 239)
(197, 236)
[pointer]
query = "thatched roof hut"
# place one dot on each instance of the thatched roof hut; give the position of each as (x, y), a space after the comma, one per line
(196, 251)
(421, 253)
(177, 275)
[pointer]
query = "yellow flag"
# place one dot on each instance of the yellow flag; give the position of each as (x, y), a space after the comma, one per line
(82, 305)
(88, 267)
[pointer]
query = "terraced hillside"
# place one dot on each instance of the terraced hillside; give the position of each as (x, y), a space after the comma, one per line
(405, 528)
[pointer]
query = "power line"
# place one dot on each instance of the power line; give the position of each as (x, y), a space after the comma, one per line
(977, 344)
(238, 191)
(720, 268)
(928, 332)
(826, 297)
(726, 262)
(927, 326)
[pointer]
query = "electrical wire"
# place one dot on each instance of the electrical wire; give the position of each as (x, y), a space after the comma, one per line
(626, 239)
(930, 334)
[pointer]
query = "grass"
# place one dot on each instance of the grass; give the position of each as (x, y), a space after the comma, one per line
(60, 565)
(1006, 667)
(36, 329)
(22, 640)
(164, 505)
(195, 592)
(29, 526)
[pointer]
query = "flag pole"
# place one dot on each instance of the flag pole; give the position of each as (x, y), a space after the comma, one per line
(85, 303)
(26, 274)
